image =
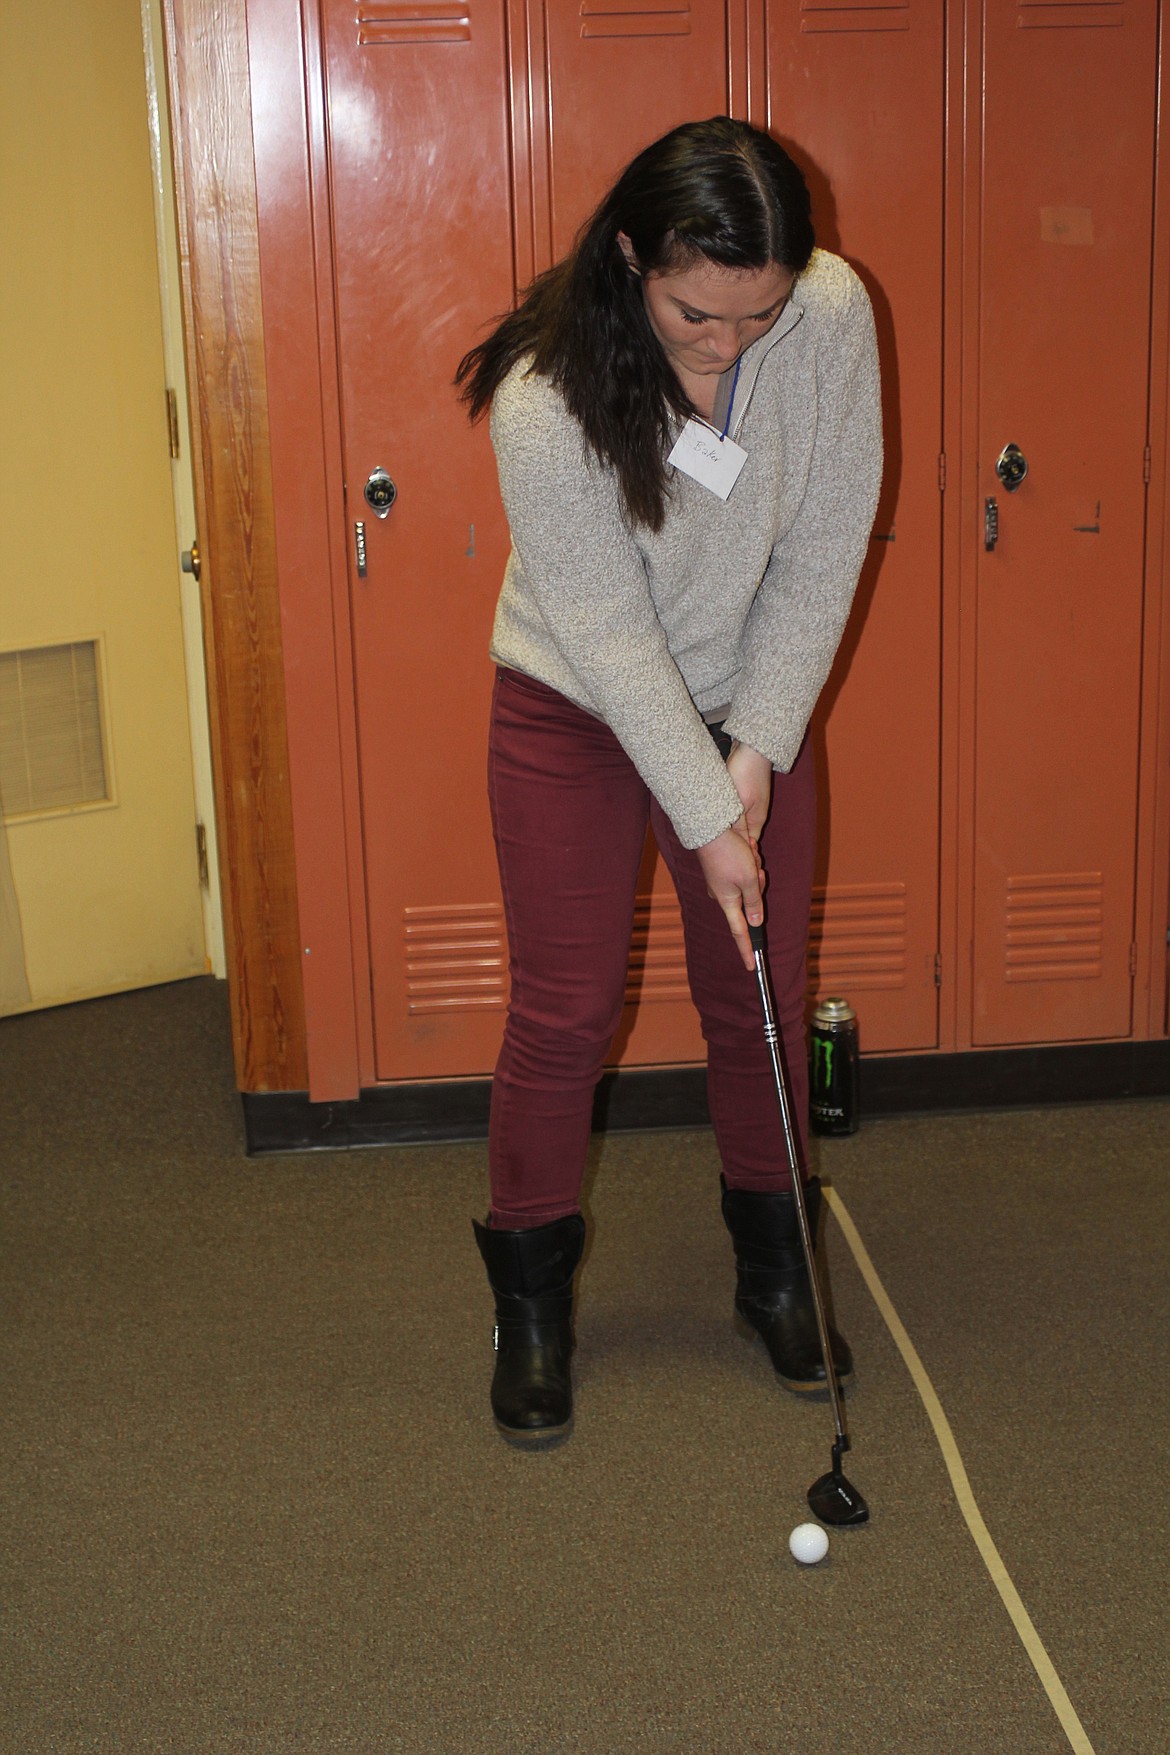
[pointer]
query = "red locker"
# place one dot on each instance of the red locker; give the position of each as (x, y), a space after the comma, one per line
(1066, 200)
(990, 176)
(857, 94)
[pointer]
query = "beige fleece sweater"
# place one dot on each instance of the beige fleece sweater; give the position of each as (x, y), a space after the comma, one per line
(739, 603)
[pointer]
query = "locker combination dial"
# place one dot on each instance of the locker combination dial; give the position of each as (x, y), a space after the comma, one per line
(1011, 467)
(380, 492)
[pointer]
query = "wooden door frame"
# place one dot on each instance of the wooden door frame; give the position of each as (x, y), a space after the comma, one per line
(211, 109)
(254, 245)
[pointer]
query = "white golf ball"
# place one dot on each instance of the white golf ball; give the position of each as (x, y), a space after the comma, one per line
(808, 1543)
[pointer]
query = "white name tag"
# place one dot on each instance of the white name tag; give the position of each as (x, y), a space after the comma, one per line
(714, 462)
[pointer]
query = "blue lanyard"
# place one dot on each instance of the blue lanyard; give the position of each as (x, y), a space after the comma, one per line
(731, 403)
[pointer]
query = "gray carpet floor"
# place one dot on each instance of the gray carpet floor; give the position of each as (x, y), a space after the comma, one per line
(254, 1501)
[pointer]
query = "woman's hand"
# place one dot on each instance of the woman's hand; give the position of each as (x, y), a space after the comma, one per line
(752, 775)
(735, 878)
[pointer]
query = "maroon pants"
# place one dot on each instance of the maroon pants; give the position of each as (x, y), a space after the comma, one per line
(570, 814)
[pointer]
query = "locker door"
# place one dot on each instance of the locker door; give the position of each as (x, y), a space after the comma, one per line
(447, 184)
(621, 73)
(858, 95)
(1067, 204)
(422, 255)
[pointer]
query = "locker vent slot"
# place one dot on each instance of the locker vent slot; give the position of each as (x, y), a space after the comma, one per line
(1054, 926)
(1070, 15)
(858, 937)
(819, 16)
(658, 964)
(396, 21)
(635, 18)
(51, 752)
(456, 958)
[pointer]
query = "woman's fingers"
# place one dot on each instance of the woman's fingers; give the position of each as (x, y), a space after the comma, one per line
(739, 931)
(734, 877)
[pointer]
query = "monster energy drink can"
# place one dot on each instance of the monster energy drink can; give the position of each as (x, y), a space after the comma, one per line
(835, 1104)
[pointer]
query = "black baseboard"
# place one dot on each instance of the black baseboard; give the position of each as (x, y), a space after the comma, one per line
(656, 1097)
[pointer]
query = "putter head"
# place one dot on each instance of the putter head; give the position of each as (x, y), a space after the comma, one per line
(836, 1501)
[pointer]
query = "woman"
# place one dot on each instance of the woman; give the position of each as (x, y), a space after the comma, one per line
(686, 423)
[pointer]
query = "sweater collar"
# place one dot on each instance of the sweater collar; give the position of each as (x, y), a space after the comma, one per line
(749, 364)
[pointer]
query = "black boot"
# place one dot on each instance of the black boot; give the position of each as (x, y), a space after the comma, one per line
(531, 1274)
(773, 1293)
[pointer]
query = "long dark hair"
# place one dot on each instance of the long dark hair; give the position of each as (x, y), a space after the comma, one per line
(719, 190)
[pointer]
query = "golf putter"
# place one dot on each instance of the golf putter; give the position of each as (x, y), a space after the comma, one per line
(833, 1498)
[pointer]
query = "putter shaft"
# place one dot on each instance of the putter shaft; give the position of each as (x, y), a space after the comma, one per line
(772, 1038)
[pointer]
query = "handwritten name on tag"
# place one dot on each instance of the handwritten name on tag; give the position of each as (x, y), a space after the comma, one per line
(714, 462)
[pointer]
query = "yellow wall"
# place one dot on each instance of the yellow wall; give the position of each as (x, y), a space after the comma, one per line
(88, 545)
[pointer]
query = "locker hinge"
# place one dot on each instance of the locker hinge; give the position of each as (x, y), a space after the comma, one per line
(1147, 464)
(173, 423)
(937, 982)
(1132, 960)
(201, 859)
(942, 474)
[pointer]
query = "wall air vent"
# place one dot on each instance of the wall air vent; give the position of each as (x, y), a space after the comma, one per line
(52, 755)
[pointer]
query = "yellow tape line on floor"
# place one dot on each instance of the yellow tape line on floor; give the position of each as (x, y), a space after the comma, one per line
(1033, 1645)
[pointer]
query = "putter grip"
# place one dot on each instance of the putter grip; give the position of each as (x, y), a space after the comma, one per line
(756, 934)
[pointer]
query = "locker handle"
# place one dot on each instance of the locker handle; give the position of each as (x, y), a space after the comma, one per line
(990, 524)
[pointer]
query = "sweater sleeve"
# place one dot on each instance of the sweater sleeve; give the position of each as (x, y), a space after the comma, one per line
(583, 571)
(799, 613)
